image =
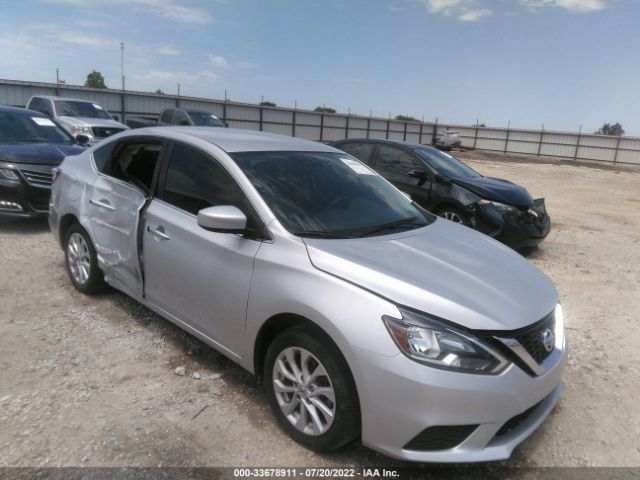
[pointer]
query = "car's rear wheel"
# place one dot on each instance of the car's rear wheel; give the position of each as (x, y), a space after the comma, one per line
(454, 215)
(82, 261)
(311, 390)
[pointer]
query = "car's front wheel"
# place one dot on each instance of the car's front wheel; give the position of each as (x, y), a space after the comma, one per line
(82, 261)
(454, 215)
(311, 390)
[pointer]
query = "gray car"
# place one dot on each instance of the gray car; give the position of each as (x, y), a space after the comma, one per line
(78, 117)
(363, 315)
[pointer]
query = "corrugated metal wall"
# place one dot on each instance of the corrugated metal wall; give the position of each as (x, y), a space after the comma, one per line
(328, 127)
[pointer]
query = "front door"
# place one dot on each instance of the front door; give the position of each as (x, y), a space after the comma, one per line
(200, 277)
(396, 165)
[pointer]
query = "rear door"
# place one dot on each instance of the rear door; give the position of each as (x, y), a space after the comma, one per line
(200, 277)
(396, 165)
(127, 172)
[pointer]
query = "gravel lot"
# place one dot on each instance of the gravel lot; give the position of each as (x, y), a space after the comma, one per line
(91, 381)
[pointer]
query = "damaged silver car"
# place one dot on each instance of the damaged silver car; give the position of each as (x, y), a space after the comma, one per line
(363, 315)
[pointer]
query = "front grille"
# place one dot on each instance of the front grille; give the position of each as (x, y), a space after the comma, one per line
(103, 132)
(514, 422)
(531, 339)
(38, 178)
(440, 437)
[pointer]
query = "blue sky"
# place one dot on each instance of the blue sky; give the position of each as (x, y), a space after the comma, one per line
(561, 62)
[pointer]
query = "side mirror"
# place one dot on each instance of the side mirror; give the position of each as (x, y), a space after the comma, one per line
(417, 173)
(82, 139)
(223, 219)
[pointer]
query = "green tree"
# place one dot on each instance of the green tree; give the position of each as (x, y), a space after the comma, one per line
(615, 130)
(324, 110)
(267, 104)
(406, 118)
(95, 80)
(159, 92)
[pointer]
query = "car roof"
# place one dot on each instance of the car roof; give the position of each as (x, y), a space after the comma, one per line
(400, 143)
(236, 140)
(21, 111)
(53, 97)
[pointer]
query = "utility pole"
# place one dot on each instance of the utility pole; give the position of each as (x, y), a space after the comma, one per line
(122, 74)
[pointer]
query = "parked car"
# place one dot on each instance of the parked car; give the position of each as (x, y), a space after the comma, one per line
(31, 145)
(363, 314)
(78, 117)
(448, 140)
(184, 117)
(446, 186)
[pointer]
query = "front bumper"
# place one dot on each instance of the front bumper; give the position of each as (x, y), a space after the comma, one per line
(29, 195)
(400, 399)
(521, 230)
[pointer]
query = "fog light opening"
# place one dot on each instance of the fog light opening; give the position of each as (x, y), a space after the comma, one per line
(10, 206)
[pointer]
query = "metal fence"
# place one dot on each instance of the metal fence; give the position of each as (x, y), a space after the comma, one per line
(326, 127)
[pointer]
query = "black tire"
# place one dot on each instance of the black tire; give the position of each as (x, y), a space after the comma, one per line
(94, 282)
(450, 212)
(346, 421)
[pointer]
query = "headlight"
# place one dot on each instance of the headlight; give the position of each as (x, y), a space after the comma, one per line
(8, 174)
(79, 130)
(433, 343)
(501, 207)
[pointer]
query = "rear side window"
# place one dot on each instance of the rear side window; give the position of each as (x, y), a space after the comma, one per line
(180, 118)
(166, 116)
(396, 161)
(362, 151)
(132, 162)
(41, 105)
(195, 181)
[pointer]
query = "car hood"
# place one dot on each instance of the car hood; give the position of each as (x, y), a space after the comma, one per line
(93, 122)
(497, 189)
(41, 153)
(446, 270)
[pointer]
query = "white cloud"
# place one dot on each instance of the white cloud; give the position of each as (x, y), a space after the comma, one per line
(168, 50)
(571, 5)
(218, 61)
(172, 9)
(465, 10)
(473, 15)
(473, 10)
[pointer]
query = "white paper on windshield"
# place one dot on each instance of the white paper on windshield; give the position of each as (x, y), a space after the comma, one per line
(98, 107)
(357, 167)
(214, 117)
(43, 122)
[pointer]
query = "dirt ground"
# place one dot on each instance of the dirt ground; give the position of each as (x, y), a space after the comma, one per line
(90, 381)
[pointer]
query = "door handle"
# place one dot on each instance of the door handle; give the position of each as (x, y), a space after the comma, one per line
(158, 232)
(102, 203)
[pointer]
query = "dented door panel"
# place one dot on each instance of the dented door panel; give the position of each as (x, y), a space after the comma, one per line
(113, 210)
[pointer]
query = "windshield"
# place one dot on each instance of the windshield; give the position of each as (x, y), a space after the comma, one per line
(204, 119)
(445, 164)
(70, 108)
(329, 195)
(20, 127)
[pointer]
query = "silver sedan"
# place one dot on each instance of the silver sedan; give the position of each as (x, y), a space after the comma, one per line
(363, 315)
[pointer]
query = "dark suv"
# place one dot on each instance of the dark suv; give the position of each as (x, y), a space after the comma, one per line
(443, 184)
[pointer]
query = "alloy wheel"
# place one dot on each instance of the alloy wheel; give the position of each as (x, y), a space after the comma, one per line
(304, 391)
(452, 216)
(79, 258)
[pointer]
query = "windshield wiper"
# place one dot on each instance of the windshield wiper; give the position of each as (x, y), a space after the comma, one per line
(402, 223)
(319, 234)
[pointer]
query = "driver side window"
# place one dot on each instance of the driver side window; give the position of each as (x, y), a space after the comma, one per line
(195, 181)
